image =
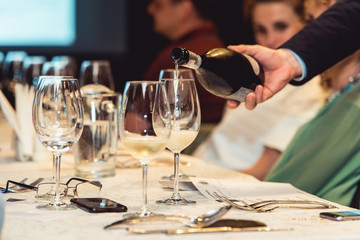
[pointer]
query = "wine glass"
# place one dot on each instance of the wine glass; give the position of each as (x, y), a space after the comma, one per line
(32, 68)
(68, 64)
(98, 72)
(185, 120)
(51, 194)
(58, 121)
(170, 74)
(12, 68)
(144, 126)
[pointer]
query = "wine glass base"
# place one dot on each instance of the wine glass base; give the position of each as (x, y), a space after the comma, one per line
(57, 207)
(176, 201)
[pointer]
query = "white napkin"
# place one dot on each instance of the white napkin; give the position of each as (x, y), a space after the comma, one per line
(28, 146)
(24, 96)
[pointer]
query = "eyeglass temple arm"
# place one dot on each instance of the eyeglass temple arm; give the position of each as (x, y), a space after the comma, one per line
(19, 184)
(76, 179)
(96, 183)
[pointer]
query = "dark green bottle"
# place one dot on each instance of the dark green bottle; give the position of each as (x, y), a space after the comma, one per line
(222, 72)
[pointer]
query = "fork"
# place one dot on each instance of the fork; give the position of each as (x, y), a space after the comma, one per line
(264, 204)
(225, 199)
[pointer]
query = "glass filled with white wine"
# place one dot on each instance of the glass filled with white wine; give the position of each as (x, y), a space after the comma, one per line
(185, 120)
(144, 126)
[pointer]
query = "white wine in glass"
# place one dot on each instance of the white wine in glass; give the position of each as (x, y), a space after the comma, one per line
(185, 120)
(144, 126)
(58, 121)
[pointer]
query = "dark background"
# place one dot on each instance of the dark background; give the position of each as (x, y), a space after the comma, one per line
(101, 29)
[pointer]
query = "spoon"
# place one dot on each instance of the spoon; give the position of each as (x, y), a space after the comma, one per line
(210, 217)
(203, 220)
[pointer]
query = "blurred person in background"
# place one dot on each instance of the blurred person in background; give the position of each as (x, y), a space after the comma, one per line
(252, 141)
(324, 157)
(187, 23)
(334, 35)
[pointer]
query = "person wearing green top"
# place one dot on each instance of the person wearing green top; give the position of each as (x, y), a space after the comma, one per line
(324, 157)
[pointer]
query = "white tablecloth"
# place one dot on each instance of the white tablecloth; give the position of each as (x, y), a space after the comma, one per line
(24, 221)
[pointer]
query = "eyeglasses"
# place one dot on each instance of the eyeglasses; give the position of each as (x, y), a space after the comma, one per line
(74, 187)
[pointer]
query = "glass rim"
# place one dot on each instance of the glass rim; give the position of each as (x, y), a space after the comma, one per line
(52, 76)
(43, 78)
(144, 81)
(174, 69)
(179, 80)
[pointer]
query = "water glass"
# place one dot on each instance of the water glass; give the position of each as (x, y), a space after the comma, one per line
(96, 149)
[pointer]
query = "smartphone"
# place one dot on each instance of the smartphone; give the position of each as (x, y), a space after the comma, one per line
(98, 205)
(341, 216)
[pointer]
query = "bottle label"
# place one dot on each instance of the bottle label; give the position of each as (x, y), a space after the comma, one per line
(194, 61)
(240, 95)
(254, 64)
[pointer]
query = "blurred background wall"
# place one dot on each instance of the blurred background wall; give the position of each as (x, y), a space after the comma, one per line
(116, 30)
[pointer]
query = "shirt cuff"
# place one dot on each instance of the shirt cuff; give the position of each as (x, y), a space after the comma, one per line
(302, 65)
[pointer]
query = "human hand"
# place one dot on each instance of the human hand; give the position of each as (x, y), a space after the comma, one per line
(279, 65)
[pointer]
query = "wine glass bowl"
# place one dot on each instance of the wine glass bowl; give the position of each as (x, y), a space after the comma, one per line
(58, 121)
(32, 68)
(185, 120)
(144, 126)
(67, 63)
(97, 72)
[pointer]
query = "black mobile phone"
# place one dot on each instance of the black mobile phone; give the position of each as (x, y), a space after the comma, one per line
(341, 216)
(98, 205)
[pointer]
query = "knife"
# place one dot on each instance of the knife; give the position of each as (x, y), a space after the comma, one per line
(207, 230)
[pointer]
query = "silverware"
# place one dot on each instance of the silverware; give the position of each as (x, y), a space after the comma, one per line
(261, 209)
(272, 202)
(207, 230)
(246, 206)
(203, 220)
(262, 205)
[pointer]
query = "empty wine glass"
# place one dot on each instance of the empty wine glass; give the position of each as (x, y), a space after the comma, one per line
(144, 126)
(98, 72)
(12, 69)
(58, 122)
(185, 120)
(32, 68)
(68, 64)
(51, 194)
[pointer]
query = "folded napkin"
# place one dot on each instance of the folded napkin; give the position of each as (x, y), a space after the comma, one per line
(28, 146)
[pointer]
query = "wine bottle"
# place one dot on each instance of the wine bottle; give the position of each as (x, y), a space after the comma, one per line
(223, 72)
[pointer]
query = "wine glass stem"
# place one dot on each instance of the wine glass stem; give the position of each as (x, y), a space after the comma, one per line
(54, 169)
(176, 194)
(144, 183)
(57, 201)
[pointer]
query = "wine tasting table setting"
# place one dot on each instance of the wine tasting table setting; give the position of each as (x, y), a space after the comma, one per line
(22, 220)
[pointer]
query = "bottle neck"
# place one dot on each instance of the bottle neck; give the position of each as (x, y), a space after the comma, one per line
(194, 61)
